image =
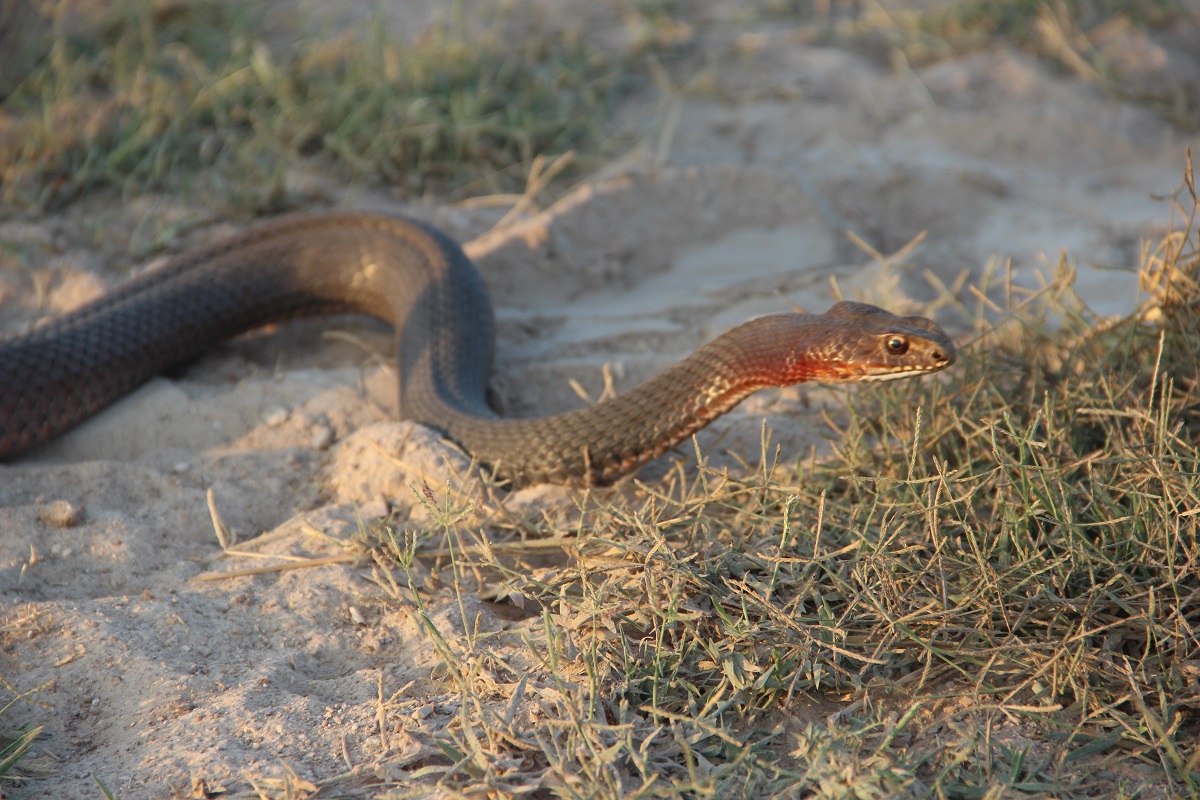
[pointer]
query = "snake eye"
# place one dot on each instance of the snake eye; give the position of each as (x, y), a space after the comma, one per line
(896, 345)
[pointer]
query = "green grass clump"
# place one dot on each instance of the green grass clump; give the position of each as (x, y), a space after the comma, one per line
(14, 746)
(993, 590)
(191, 95)
(16, 739)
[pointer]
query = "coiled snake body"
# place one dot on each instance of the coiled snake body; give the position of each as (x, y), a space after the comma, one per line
(416, 278)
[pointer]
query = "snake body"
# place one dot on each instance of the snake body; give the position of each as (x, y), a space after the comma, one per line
(416, 278)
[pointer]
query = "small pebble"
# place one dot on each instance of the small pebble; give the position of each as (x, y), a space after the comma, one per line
(374, 509)
(275, 416)
(60, 514)
(322, 437)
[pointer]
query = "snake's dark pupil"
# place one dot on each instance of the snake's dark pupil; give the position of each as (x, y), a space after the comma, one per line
(897, 345)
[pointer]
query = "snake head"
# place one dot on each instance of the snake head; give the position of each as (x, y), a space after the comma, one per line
(867, 343)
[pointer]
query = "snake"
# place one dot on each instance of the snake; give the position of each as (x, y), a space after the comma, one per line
(415, 277)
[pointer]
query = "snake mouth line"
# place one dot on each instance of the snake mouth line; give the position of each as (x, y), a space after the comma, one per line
(907, 372)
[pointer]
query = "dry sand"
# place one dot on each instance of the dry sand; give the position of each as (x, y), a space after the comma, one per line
(740, 203)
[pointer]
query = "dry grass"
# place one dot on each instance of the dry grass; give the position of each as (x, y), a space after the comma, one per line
(1083, 38)
(188, 96)
(993, 590)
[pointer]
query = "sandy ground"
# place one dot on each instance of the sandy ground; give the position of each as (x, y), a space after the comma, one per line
(741, 201)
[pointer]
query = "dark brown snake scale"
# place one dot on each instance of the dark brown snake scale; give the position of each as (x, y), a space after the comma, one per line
(414, 277)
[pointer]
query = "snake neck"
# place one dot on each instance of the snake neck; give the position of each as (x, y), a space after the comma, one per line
(600, 443)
